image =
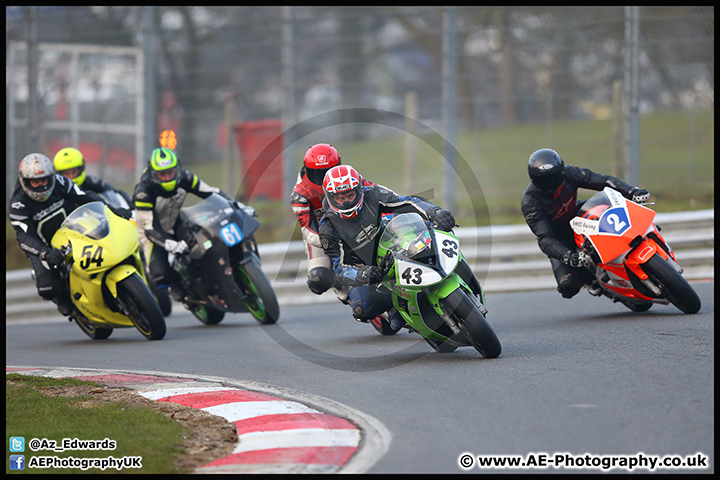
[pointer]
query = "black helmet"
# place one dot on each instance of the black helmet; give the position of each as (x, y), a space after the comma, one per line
(546, 169)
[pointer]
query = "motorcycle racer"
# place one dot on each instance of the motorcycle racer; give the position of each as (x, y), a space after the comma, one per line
(70, 163)
(549, 203)
(158, 197)
(306, 201)
(349, 232)
(40, 202)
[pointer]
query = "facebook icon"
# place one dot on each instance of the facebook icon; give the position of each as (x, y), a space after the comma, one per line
(17, 462)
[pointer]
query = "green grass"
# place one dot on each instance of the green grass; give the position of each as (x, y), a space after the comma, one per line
(679, 176)
(137, 431)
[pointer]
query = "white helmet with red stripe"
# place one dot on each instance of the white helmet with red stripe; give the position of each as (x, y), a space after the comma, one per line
(343, 187)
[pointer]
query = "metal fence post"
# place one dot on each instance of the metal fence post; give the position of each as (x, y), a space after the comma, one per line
(449, 103)
(631, 103)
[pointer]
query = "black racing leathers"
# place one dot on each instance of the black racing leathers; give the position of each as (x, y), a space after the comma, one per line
(352, 243)
(156, 212)
(157, 209)
(548, 215)
(36, 222)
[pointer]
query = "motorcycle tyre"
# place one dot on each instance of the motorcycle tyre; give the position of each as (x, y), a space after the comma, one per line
(675, 288)
(96, 333)
(261, 288)
(638, 307)
(212, 316)
(139, 299)
(383, 326)
(163, 297)
(441, 347)
(473, 323)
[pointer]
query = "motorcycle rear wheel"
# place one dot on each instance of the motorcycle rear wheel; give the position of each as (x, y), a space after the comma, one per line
(207, 314)
(144, 310)
(260, 297)
(473, 324)
(96, 333)
(381, 324)
(675, 288)
(636, 306)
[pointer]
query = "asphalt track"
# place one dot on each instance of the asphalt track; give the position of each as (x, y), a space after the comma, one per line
(584, 378)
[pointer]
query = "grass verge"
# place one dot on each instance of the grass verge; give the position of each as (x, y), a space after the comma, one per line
(39, 407)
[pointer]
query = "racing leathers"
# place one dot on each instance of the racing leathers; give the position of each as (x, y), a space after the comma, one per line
(35, 224)
(156, 214)
(548, 215)
(351, 245)
(306, 202)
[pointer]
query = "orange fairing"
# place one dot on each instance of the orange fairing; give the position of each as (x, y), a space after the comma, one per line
(610, 246)
(642, 254)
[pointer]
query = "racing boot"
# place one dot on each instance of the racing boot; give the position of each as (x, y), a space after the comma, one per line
(396, 320)
(595, 289)
(342, 292)
(64, 304)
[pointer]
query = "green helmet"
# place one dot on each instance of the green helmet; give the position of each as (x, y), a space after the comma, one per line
(165, 168)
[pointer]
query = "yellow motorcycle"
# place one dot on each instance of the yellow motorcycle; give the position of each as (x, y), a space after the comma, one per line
(105, 274)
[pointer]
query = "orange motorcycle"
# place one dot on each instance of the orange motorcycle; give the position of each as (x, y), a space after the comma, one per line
(634, 264)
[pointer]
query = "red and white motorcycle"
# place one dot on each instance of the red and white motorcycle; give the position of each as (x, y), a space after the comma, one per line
(633, 263)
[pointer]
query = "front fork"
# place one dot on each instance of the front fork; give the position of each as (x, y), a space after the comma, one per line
(649, 246)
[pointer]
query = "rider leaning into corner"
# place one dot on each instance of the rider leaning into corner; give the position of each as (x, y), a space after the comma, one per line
(39, 204)
(550, 202)
(349, 232)
(158, 197)
(306, 201)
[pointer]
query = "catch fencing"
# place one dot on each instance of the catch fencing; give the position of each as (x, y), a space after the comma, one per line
(505, 258)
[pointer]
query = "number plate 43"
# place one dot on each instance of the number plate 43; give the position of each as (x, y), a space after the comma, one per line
(413, 274)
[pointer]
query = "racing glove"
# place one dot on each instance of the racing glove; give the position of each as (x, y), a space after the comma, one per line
(441, 218)
(576, 259)
(387, 262)
(176, 247)
(640, 195)
(53, 257)
(121, 212)
(369, 274)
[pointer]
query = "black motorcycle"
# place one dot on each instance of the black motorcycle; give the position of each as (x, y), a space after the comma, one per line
(221, 271)
(161, 294)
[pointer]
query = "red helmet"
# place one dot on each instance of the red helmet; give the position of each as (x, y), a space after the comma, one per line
(318, 160)
(343, 187)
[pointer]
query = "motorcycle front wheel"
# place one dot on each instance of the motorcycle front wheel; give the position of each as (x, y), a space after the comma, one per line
(143, 309)
(675, 288)
(472, 323)
(259, 296)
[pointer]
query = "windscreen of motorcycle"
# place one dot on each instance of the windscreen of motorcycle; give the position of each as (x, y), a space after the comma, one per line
(407, 236)
(88, 220)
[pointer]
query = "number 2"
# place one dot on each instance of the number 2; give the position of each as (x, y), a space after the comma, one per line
(615, 221)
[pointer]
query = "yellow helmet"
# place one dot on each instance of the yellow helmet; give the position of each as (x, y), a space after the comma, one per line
(67, 160)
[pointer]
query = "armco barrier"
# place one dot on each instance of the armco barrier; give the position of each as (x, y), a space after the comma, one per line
(505, 258)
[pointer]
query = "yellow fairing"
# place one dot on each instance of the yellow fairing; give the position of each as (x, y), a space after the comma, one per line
(98, 261)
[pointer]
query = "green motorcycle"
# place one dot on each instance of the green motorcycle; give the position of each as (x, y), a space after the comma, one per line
(432, 286)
